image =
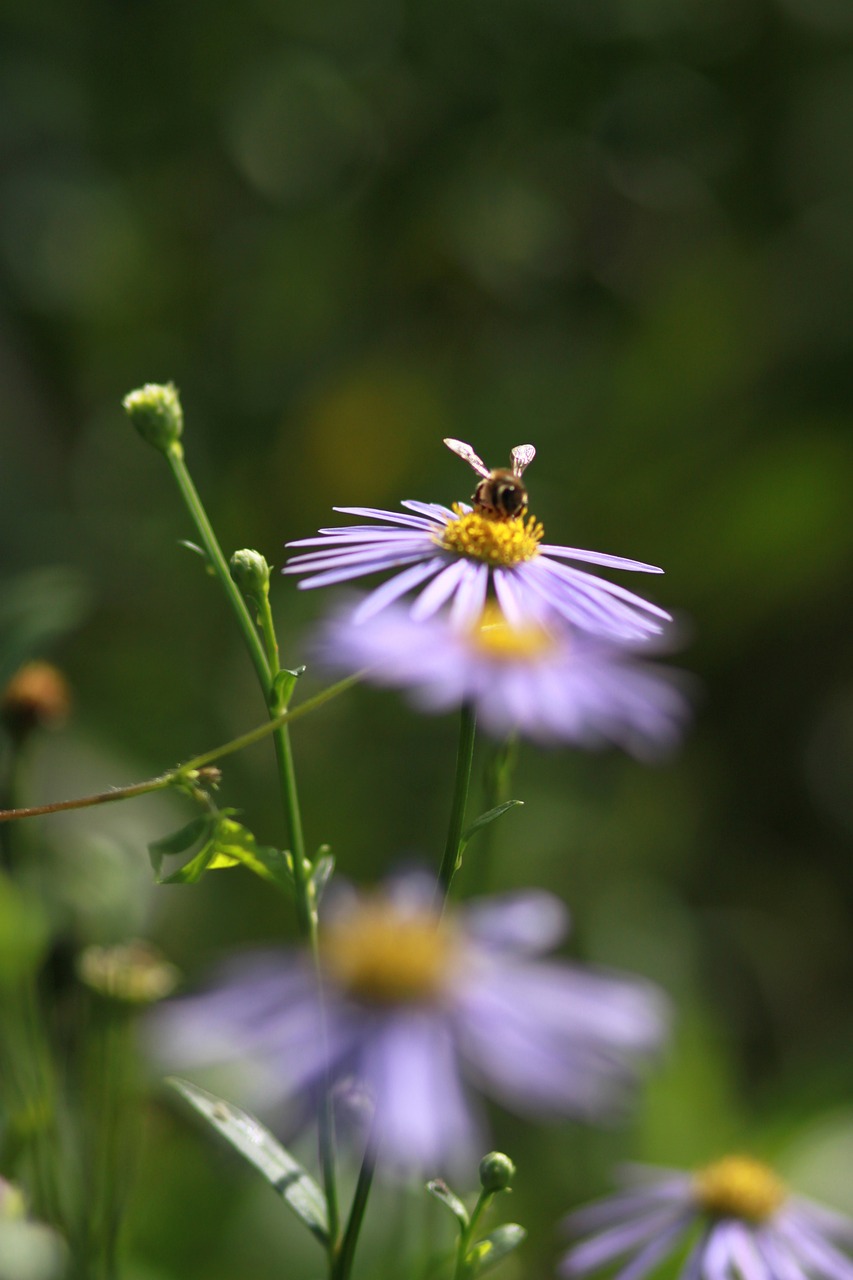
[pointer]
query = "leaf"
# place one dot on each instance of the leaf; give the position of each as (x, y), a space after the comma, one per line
(257, 1145)
(227, 844)
(439, 1188)
(283, 685)
(324, 865)
(486, 818)
(493, 1248)
(179, 841)
(235, 843)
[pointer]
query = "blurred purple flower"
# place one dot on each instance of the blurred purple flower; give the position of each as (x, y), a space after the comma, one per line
(548, 681)
(462, 556)
(750, 1227)
(417, 1005)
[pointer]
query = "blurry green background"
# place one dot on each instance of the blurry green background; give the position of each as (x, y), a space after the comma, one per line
(620, 229)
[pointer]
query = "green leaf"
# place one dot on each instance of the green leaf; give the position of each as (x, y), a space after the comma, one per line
(485, 818)
(283, 685)
(235, 843)
(493, 1248)
(324, 865)
(257, 1145)
(179, 841)
(227, 844)
(439, 1188)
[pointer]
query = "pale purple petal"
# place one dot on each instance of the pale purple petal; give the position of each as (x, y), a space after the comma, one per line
(422, 1116)
(524, 923)
(598, 557)
(439, 591)
(619, 1240)
(393, 589)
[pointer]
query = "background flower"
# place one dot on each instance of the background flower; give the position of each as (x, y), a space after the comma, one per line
(750, 1226)
(418, 1009)
(544, 678)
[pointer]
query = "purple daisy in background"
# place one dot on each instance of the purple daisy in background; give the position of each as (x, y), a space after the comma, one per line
(462, 556)
(418, 1006)
(750, 1227)
(543, 678)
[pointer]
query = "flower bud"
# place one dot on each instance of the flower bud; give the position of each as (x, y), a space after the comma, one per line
(37, 696)
(131, 972)
(156, 413)
(496, 1172)
(251, 572)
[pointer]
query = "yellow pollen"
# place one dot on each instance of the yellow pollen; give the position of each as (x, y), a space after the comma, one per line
(492, 539)
(383, 955)
(739, 1187)
(495, 638)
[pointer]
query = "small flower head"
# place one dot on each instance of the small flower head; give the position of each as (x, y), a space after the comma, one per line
(130, 972)
(37, 697)
(739, 1219)
(251, 572)
(155, 410)
(496, 1172)
(419, 1006)
(462, 556)
(539, 676)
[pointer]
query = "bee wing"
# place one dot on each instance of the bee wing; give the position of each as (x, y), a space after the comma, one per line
(465, 451)
(522, 456)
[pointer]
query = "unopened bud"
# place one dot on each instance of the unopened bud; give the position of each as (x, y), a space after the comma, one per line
(155, 410)
(251, 572)
(37, 696)
(496, 1172)
(132, 972)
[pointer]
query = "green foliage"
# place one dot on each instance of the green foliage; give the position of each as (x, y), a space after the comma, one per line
(493, 1248)
(258, 1146)
(225, 844)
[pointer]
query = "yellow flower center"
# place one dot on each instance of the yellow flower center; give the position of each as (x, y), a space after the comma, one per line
(383, 955)
(496, 541)
(498, 640)
(739, 1187)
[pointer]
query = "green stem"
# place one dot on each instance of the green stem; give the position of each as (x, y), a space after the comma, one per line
(306, 910)
(464, 757)
(466, 1235)
(342, 1265)
(175, 458)
(185, 771)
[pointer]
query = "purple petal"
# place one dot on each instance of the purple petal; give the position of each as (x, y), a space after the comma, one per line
(598, 557)
(394, 588)
(526, 923)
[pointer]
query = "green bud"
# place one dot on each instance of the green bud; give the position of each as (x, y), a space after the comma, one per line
(251, 572)
(496, 1172)
(156, 413)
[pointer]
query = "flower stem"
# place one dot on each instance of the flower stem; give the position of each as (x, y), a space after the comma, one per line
(183, 773)
(453, 846)
(343, 1262)
(467, 1233)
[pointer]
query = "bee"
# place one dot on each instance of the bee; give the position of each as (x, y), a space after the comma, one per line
(500, 493)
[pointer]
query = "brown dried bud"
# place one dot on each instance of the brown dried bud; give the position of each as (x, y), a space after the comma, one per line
(37, 697)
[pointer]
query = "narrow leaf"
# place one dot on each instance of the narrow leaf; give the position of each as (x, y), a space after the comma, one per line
(493, 1248)
(490, 816)
(439, 1188)
(191, 872)
(284, 684)
(257, 1145)
(235, 843)
(178, 841)
(324, 865)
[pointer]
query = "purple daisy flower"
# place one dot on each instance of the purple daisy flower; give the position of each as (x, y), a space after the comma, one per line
(545, 679)
(750, 1227)
(418, 1005)
(464, 555)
